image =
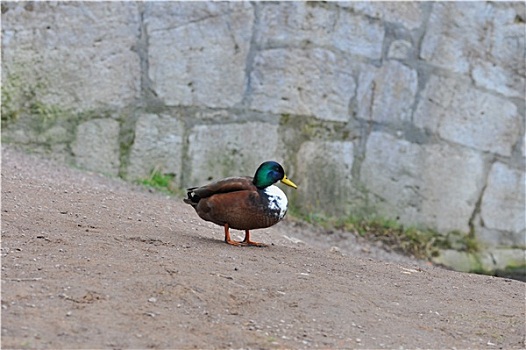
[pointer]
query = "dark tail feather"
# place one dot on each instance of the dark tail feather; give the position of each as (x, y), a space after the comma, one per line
(192, 199)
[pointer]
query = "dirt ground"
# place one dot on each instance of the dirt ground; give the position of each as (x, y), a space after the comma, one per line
(93, 262)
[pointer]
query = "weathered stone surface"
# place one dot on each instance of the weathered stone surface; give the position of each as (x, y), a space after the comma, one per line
(158, 144)
(503, 206)
(387, 94)
(408, 14)
(96, 147)
(492, 77)
(303, 23)
(76, 55)
(457, 260)
(305, 82)
(504, 258)
(392, 171)
(489, 260)
(197, 51)
(294, 23)
(217, 151)
(38, 129)
(433, 185)
(460, 32)
(454, 178)
(324, 176)
(507, 40)
(467, 116)
(400, 49)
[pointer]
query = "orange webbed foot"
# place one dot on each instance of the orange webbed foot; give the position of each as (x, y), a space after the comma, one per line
(245, 242)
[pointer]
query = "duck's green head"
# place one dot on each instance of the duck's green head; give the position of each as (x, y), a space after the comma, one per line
(269, 173)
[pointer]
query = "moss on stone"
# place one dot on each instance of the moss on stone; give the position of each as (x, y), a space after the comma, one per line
(420, 243)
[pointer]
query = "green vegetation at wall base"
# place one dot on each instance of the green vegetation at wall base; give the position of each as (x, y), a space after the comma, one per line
(161, 182)
(420, 243)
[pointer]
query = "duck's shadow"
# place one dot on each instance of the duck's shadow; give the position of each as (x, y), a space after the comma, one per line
(221, 242)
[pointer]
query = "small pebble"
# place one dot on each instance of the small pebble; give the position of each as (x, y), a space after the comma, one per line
(335, 249)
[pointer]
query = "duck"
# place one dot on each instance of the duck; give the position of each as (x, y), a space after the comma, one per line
(243, 202)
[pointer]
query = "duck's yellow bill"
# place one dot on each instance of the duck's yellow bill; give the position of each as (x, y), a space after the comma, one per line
(287, 182)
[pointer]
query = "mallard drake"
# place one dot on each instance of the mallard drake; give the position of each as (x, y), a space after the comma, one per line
(243, 203)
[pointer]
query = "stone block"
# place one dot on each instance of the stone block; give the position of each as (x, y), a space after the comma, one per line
(488, 260)
(460, 32)
(392, 171)
(293, 23)
(408, 14)
(296, 24)
(503, 206)
(464, 115)
(197, 51)
(458, 261)
(324, 177)
(489, 76)
(96, 146)
(218, 151)
(507, 41)
(453, 181)
(75, 55)
(304, 82)
(158, 144)
(435, 186)
(505, 258)
(387, 94)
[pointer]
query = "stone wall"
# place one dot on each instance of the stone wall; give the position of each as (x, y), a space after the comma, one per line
(413, 111)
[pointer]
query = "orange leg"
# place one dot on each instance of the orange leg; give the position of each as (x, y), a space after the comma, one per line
(247, 241)
(227, 237)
